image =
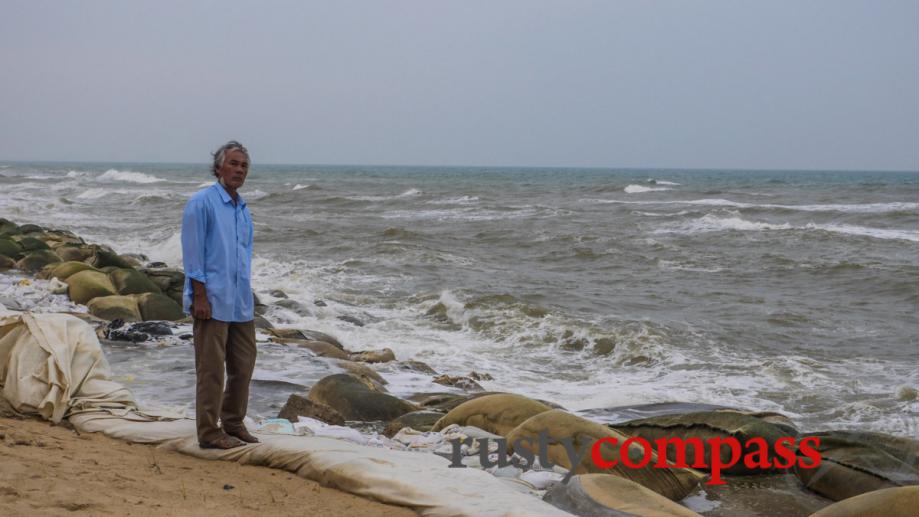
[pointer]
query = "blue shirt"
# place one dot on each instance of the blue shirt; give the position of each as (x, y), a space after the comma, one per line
(217, 251)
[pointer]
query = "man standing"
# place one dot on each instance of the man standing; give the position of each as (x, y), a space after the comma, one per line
(217, 255)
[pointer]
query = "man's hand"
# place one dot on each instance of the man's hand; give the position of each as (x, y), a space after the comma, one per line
(200, 307)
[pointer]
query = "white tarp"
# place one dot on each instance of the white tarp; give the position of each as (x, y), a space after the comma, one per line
(53, 365)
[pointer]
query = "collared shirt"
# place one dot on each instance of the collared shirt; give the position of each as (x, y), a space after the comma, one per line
(217, 251)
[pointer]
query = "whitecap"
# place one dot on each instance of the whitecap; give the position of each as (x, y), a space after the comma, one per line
(255, 194)
(128, 176)
(408, 193)
(639, 189)
(462, 200)
(662, 182)
(300, 187)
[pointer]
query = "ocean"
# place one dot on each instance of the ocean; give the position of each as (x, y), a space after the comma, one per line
(788, 291)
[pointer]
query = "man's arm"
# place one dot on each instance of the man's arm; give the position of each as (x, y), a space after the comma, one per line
(194, 231)
(200, 307)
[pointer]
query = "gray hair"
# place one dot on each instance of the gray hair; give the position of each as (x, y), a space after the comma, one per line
(221, 154)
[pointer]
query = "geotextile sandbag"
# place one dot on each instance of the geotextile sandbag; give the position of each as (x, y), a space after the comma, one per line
(64, 270)
(612, 496)
(155, 306)
(708, 425)
(499, 413)
(557, 424)
(852, 463)
(115, 307)
(33, 261)
(86, 285)
(132, 281)
(889, 502)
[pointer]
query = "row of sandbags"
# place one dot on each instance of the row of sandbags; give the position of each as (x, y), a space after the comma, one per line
(112, 286)
(851, 463)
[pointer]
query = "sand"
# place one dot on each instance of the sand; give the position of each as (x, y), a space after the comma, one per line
(54, 470)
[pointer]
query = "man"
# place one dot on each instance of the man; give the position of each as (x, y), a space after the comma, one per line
(217, 255)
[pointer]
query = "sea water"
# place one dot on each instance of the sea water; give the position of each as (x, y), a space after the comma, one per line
(790, 291)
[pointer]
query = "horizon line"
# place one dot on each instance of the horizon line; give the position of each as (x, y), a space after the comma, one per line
(563, 167)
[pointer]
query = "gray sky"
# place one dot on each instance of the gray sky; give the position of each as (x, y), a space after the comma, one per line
(682, 84)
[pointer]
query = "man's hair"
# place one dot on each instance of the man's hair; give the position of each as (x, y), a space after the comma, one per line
(221, 154)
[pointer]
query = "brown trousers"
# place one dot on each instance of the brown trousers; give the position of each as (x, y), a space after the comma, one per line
(218, 343)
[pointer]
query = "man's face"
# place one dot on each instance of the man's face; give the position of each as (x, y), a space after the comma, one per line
(234, 169)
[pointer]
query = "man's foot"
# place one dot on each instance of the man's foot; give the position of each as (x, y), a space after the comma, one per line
(243, 435)
(224, 442)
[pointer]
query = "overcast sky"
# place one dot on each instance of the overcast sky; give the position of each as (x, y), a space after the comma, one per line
(682, 84)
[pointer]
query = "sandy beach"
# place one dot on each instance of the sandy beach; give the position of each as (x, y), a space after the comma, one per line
(53, 470)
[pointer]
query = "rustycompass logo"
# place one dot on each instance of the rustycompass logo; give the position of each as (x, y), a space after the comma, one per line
(714, 454)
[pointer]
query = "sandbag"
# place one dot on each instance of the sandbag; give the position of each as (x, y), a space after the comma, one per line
(155, 306)
(706, 425)
(853, 463)
(352, 398)
(673, 483)
(499, 413)
(89, 284)
(64, 270)
(890, 502)
(53, 365)
(115, 307)
(10, 248)
(604, 495)
(132, 281)
(33, 261)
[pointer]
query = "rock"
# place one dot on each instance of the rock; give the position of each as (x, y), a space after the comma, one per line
(352, 320)
(320, 348)
(416, 366)
(604, 346)
(33, 261)
(6, 262)
(115, 307)
(262, 323)
(384, 355)
(155, 306)
(605, 495)
(132, 281)
(64, 270)
(295, 306)
(853, 463)
(422, 421)
(707, 425)
(103, 257)
(302, 406)
(890, 502)
(498, 414)
(320, 303)
(464, 383)
(673, 483)
(10, 249)
(277, 293)
(355, 401)
(476, 376)
(32, 244)
(89, 284)
(309, 335)
(155, 328)
(366, 374)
